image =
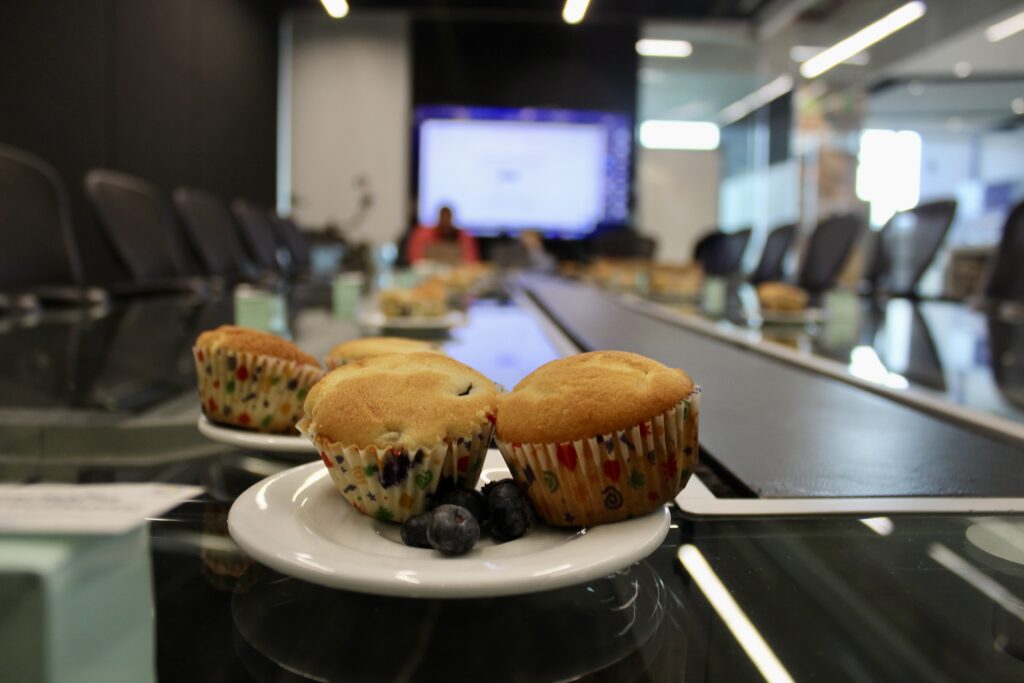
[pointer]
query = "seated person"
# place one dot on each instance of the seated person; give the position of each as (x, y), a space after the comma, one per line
(443, 243)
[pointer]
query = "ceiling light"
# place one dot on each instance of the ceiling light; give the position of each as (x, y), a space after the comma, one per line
(574, 11)
(1017, 105)
(648, 47)
(336, 8)
(962, 69)
(863, 39)
(1005, 28)
(801, 53)
(736, 620)
(757, 99)
(679, 135)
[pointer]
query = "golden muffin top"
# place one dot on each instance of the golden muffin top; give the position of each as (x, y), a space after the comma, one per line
(407, 400)
(376, 346)
(587, 394)
(780, 294)
(245, 340)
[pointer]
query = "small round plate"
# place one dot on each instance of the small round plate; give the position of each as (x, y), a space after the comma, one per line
(804, 317)
(377, 320)
(254, 441)
(297, 523)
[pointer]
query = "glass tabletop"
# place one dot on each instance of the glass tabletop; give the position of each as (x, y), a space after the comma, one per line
(968, 356)
(827, 598)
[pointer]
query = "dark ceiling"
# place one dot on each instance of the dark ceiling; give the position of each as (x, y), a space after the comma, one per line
(540, 10)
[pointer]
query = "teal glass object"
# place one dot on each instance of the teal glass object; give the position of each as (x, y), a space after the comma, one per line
(261, 310)
(346, 294)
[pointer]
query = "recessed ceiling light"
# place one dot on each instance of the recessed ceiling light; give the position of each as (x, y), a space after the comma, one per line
(863, 39)
(574, 11)
(1005, 28)
(649, 47)
(1017, 106)
(962, 69)
(336, 8)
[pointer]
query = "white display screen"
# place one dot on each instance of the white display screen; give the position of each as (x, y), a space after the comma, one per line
(557, 176)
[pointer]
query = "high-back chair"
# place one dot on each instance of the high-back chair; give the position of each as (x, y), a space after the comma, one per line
(257, 234)
(827, 252)
(139, 225)
(907, 245)
(773, 256)
(1006, 277)
(35, 224)
(211, 229)
(292, 239)
(721, 253)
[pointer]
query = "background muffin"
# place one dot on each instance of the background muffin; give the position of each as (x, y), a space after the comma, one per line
(778, 296)
(252, 379)
(396, 429)
(599, 437)
(367, 347)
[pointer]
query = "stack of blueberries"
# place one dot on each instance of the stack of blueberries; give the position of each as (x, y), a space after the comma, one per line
(454, 526)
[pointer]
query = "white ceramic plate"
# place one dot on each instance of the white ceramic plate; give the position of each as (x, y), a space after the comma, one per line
(297, 523)
(377, 320)
(804, 317)
(256, 441)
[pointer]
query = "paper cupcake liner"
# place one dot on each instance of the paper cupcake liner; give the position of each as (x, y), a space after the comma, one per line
(609, 477)
(393, 484)
(253, 391)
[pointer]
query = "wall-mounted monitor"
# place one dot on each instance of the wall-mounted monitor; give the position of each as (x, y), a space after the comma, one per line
(505, 170)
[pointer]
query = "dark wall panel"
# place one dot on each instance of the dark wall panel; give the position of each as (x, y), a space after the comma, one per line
(180, 92)
(511, 64)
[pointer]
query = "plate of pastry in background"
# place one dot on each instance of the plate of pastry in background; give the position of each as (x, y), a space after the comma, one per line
(785, 304)
(410, 500)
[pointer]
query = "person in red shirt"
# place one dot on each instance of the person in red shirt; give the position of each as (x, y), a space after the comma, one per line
(444, 242)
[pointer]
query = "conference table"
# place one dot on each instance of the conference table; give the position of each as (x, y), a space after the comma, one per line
(855, 515)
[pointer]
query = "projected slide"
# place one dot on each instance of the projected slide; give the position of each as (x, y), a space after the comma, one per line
(560, 176)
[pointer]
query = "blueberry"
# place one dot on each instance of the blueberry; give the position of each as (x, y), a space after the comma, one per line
(471, 500)
(510, 513)
(453, 530)
(414, 530)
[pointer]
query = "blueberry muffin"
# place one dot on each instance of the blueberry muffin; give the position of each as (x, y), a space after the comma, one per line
(397, 430)
(252, 379)
(367, 347)
(600, 437)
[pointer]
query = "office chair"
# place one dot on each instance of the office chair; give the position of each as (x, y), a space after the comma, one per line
(257, 234)
(773, 256)
(907, 245)
(294, 241)
(1006, 277)
(721, 253)
(211, 229)
(827, 252)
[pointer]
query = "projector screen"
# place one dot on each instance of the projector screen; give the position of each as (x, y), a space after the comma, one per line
(505, 170)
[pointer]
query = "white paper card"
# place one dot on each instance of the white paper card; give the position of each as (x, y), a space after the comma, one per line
(85, 508)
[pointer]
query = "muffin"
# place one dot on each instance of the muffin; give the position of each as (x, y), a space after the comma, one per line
(600, 437)
(252, 379)
(778, 296)
(397, 430)
(367, 347)
(429, 300)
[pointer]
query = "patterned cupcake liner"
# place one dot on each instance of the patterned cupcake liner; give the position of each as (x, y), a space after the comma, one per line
(253, 391)
(609, 477)
(393, 484)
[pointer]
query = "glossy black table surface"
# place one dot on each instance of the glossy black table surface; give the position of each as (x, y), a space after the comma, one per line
(110, 399)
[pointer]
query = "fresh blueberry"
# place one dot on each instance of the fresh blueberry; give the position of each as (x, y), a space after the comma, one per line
(414, 530)
(471, 500)
(509, 512)
(453, 530)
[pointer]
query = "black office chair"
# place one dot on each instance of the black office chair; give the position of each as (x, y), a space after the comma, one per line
(257, 234)
(211, 229)
(295, 243)
(35, 223)
(721, 253)
(773, 256)
(907, 245)
(1006, 277)
(827, 252)
(139, 224)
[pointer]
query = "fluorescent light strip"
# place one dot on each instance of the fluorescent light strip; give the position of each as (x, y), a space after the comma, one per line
(863, 39)
(700, 135)
(801, 53)
(746, 634)
(882, 526)
(757, 99)
(1005, 28)
(336, 8)
(649, 47)
(574, 11)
